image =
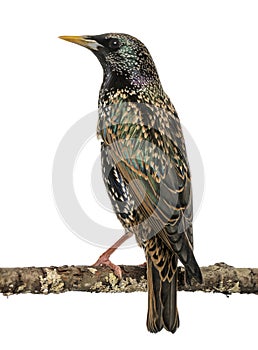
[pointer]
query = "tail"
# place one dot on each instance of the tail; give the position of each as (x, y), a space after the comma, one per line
(162, 305)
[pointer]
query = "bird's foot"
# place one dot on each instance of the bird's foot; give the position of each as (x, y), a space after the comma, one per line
(143, 264)
(104, 261)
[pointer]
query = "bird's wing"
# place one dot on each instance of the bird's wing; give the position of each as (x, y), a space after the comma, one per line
(146, 143)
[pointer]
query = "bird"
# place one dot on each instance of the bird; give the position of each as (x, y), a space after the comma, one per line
(145, 169)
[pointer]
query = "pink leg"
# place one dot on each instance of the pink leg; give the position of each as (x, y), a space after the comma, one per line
(104, 258)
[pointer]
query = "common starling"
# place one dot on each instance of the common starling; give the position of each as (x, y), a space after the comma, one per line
(145, 169)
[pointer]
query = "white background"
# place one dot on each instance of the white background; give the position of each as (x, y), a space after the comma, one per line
(206, 55)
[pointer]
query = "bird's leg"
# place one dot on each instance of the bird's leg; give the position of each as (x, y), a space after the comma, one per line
(104, 258)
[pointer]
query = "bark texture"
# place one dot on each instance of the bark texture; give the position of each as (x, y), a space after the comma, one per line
(218, 278)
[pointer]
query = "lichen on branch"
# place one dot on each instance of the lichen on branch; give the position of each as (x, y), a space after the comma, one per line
(218, 278)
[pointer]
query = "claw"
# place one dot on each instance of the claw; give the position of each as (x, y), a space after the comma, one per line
(103, 261)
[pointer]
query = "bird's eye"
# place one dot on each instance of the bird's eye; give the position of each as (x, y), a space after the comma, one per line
(114, 44)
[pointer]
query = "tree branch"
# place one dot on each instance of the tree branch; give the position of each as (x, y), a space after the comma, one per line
(218, 278)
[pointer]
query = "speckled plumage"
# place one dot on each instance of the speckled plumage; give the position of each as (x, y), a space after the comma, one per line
(145, 168)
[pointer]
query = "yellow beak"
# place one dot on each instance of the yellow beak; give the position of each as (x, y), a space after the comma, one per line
(83, 41)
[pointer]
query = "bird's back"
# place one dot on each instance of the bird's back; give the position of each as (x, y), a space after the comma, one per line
(147, 176)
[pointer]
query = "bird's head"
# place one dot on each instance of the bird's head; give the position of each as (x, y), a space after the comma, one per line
(125, 59)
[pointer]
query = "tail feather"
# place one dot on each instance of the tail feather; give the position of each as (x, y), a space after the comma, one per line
(162, 305)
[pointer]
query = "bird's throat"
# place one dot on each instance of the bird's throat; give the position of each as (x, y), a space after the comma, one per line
(135, 81)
